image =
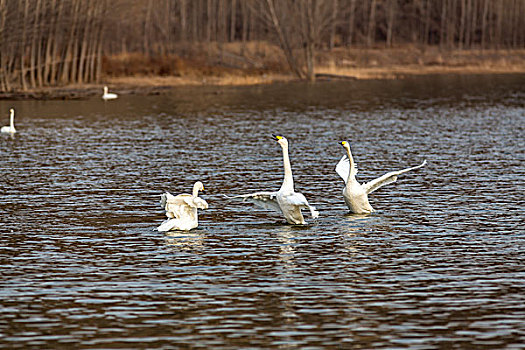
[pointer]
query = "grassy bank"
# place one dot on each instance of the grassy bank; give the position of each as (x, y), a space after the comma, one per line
(259, 63)
(262, 63)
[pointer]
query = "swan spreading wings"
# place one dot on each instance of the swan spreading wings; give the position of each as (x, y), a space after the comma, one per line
(11, 127)
(181, 210)
(356, 194)
(286, 200)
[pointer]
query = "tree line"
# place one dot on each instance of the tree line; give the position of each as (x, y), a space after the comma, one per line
(57, 42)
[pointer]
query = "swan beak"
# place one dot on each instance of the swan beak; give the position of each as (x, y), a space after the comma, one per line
(343, 143)
(276, 137)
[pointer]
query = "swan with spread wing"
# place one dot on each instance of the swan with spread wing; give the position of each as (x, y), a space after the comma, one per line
(181, 210)
(356, 194)
(285, 201)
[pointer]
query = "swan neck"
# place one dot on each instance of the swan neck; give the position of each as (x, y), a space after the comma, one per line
(288, 177)
(195, 191)
(12, 120)
(352, 172)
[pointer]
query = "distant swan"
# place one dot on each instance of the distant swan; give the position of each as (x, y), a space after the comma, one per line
(181, 210)
(286, 200)
(11, 128)
(108, 95)
(355, 194)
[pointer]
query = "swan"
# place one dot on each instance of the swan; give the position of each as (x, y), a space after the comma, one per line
(286, 200)
(11, 128)
(181, 210)
(356, 194)
(108, 95)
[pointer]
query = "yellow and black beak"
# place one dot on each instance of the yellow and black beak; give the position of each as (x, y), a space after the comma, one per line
(343, 143)
(277, 137)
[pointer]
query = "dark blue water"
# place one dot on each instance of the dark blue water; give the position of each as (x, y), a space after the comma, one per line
(439, 265)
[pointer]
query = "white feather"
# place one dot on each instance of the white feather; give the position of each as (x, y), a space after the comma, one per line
(355, 194)
(286, 200)
(181, 210)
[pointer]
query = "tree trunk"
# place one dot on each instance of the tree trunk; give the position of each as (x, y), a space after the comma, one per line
(67, 58)
(53, 75)
(85, 42)
(25, 23)
(442, 31)
(390, 22)
(208, 20)
(462, 24)
(3, 49)
(147, 25)
(76, 44)
(333, 24)
(499, 39)
(32, 50)
(370, 36)
(183, 16)
(283, 40)
(195, 14)
(100, 42)
(311, 15)
(484, 24)
(351, 23)
(426, 31)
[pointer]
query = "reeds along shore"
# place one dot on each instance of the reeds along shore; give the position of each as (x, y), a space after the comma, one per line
(62, 42)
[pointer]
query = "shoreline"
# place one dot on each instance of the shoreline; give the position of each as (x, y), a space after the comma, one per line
(155, 85)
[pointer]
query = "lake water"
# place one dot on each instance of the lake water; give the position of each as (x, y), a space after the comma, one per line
(439, 265)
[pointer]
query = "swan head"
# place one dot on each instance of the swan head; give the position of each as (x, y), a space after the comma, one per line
(280, 140)
(12, 112)
(105, 89)
(198, 186)
(345, 144)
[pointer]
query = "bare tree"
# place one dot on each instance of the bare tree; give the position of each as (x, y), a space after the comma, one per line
(351, 22)
(370, 36)
(51, 42)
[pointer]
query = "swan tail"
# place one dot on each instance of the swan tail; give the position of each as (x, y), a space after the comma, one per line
(163, 200)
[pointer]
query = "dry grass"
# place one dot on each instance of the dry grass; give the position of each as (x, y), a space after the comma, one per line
(399, 72)
(155, 81)
(263, 63)
(399, 62)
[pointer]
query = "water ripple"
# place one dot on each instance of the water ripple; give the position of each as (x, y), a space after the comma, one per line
(439, 265)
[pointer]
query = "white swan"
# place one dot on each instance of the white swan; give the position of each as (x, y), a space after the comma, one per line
(108, 95)
(286, 200)
(11, 128)
(181, 210)
(355, 194)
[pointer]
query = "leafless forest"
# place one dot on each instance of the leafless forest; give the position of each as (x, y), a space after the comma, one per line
(59, 42)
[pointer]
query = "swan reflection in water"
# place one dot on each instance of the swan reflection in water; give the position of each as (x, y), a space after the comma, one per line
(185, 240)
(287, 250)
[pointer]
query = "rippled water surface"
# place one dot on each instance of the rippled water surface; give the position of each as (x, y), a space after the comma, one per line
(439, 265)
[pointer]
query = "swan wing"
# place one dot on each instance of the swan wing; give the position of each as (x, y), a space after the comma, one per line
(388, 178)
(299, 200)
(343, 168)
(167, 225)
(169, 199)
(177, 206)
(266, 200)
(199, 203)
